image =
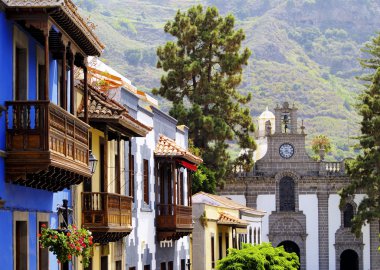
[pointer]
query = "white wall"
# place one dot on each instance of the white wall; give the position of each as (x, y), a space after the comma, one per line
(309, 205)
(266, 203)
(237, 198)
(366, 238)
(144, 216)
(334, 224)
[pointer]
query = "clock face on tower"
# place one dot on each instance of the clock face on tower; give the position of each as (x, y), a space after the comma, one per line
(286, 150)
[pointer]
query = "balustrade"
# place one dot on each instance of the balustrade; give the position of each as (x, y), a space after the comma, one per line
(44, 141)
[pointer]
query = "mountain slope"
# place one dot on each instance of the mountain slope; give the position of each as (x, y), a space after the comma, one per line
(304, 51)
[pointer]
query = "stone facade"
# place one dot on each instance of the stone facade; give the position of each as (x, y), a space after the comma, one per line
(286, 174)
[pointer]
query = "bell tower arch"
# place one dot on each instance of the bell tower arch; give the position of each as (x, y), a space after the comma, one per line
(286, 119)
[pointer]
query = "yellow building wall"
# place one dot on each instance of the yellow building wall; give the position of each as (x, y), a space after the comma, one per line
(213, 229)
(98, 250)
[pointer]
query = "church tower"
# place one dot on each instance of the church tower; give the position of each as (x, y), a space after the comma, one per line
(300, 197)
(286, 145)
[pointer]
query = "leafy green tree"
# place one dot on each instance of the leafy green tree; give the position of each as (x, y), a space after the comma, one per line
(319, 142)
(259, 257)
(365, 169)
(203, 69)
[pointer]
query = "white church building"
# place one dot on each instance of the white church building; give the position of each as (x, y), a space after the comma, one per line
(301, 201)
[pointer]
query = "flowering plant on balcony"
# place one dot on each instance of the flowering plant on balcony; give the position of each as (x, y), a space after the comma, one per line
(67, 243)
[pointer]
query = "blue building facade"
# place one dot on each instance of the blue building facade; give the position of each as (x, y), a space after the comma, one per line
(44, 146)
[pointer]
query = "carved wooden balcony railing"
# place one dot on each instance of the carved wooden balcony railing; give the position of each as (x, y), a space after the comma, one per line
(107, 215)
(173, 221)
(47, 147)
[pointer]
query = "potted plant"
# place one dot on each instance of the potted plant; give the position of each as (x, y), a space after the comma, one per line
(67, 243)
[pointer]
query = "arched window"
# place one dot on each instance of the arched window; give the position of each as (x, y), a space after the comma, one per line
(348, 214)
(254, 236)
(287, 197)
(250, 235)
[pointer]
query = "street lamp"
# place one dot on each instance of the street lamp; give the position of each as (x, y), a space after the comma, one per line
(92, 162)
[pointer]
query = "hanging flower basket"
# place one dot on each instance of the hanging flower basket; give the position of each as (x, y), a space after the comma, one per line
(67, 243)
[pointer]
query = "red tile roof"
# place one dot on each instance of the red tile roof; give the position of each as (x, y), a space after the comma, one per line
(226, 219)
(102, 108)
(168, 148)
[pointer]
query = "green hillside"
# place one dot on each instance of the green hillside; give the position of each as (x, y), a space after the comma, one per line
(304, 51)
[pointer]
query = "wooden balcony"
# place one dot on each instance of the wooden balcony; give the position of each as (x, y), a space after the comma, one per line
(173, 221)
(47, 147)
(107, 215)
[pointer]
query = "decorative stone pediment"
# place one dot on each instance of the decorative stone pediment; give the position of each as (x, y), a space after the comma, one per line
(295, 176)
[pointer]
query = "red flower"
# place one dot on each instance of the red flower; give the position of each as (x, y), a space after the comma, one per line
(43, 225)
(39, 235)
(55, 236)
(68, 234)
(69, 257)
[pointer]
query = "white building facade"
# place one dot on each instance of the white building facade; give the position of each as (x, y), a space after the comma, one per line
(300, 197)
(160, 171)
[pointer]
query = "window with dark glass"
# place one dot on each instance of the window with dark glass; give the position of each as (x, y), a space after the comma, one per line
(117, 167)
(227, 243)
(101, 165)
(348, 214)
(21, 74)
(170, 265)
(132, 177)
(250, 235)
(220, 245)
(212, 252)
(21, 242)
(258, 236)
(104, 263)
(118, 265)
(41, 81)
(287, 196)
(147, 267)
(181, 189)
(146, 181)
(163, 266)
(183, 264)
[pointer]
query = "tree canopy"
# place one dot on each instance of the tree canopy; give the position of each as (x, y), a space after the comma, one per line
(365, 169)
(259, 257)
(203, 68)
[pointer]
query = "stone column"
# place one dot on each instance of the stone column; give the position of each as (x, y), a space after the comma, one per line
(278, 120)
(293, 121)
(251, 199)
(323, 230)
(375, 243)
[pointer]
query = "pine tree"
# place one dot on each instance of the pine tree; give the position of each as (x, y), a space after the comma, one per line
(203, 68)
(365, 169)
